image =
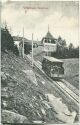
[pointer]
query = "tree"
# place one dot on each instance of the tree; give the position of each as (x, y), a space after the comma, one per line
(73, 52)
(61, 42)
(77, 52)
(64, 43)
(59, 39)
(65, 52)
(61, 48)
(7, 42)
(71, 47)
(15, 50)
(27, 48)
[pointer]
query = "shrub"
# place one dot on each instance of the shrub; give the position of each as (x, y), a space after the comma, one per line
(7, 42)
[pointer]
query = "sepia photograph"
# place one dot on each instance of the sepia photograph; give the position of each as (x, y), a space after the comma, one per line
(39, 62)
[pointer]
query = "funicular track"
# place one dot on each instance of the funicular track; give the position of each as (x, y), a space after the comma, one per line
(62, 85)
(68, 91)
(75, 90)
(63, 88)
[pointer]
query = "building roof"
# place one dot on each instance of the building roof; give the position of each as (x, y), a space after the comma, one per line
(52, 59)
(49, 36)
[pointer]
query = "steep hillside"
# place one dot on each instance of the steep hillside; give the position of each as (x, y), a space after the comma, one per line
(26, 95)
(20, 94)
(71, 72)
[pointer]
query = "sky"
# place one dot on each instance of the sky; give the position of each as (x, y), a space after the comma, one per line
(62, 18)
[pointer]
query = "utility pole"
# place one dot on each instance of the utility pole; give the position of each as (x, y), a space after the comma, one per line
(32, 49)
(23, 44)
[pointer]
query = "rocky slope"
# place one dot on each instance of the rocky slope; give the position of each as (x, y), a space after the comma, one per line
(20, 94)
(27, 96)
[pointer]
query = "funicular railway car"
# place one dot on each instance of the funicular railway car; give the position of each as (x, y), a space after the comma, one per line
(53, 67)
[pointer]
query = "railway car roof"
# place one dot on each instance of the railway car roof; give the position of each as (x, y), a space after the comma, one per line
(52, 59)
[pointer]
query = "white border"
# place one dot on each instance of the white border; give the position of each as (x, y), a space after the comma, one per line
(4, 1)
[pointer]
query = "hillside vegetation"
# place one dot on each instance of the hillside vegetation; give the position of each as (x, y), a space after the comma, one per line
(71, 72)
(20, 94)
(24, 98)
(7, 42)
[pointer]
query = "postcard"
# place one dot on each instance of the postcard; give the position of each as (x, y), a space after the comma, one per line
(39, 62)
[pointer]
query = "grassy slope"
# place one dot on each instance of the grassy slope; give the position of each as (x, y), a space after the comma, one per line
(71, 67)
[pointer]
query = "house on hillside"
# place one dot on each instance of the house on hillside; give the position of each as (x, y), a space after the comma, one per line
(49, 38)
(49, 43)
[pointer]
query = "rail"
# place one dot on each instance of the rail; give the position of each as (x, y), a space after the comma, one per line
(62, 85)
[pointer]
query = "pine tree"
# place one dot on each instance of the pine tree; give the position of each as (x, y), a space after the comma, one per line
(7, 42)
